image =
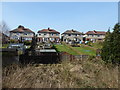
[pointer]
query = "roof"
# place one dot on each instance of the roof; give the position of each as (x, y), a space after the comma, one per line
(96, 32)
(3, 35)
(48, 31)
(22, 29)
(72, 32)
(16, 44)
(8, 49)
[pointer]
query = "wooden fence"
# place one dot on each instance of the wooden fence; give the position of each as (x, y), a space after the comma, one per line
(66, 56)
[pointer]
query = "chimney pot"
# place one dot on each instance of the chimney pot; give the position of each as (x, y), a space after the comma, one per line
(20, 26)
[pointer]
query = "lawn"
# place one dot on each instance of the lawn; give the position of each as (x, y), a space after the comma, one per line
(97, 45)
(83, 50)
(86, 50)
(64, 48)
(4, 45)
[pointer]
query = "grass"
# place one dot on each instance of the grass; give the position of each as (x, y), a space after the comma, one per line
(28, 46)
(65, 48)
(76, 74)
(97, 45)
(86, 50)
(83, 50)
(4, 45)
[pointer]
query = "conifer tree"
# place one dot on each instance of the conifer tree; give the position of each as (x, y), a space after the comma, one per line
(111, 46)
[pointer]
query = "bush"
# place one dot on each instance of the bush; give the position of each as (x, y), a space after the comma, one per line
(27, 43)
(12, 41)
(89, 43)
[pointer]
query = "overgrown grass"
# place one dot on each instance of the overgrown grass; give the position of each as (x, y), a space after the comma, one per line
(76, 74)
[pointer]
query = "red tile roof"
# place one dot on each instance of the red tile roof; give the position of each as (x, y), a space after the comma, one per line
(72, 32)
(22, 29)
(48, 31)
(95, 32)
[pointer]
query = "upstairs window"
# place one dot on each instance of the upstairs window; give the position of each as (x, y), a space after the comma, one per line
(31, 33)
(52, 34)
(25, 33)
(57, 34)
(18, 33)
(69, 34)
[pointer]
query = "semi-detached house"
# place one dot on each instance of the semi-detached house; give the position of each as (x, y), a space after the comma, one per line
(48, 35)
(95, 35)
(21, 33)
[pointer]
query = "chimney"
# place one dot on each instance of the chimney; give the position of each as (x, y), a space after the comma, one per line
(94, 31)
(48, 28)
(20, 27)
(72, 30)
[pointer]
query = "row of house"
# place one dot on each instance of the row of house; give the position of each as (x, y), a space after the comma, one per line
(51, 35)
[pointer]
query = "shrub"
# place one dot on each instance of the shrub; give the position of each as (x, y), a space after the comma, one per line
(89, 43)
(12, 41)
(27, 42)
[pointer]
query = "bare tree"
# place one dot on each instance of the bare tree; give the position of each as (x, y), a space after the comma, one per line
(4, 28)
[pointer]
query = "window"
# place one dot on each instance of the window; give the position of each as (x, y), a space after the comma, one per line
(45, 34)
(98, 35)
(31, 33)
(69, 34)
(57, 34)
(39, 34)
(25, 33)
(52, 34)
(52, 39)
(15, 37)
(18, 33)
(45, 39)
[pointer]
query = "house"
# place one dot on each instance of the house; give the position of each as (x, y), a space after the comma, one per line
(95, 35)
(72, 36)
(48, 35)
(22, 34)
(4, 38)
